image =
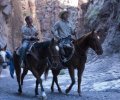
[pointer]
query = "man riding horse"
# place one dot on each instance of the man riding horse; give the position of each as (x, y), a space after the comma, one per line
(62, 31)
(29, 35)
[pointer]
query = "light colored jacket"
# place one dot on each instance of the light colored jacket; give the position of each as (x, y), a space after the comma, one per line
(28, 32)
(62, 29)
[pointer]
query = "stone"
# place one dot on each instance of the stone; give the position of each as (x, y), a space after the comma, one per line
(7, 10)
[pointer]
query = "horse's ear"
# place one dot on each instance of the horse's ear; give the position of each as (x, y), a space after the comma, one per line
(93, 32)
(5, 47)
(52, 41)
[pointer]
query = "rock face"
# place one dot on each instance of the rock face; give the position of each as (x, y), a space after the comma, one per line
(21, 8)
(5, 10)
(48, 13)
(104, 16)
(12, 18)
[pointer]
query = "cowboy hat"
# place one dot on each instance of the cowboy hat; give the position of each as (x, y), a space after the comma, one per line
(63, 12)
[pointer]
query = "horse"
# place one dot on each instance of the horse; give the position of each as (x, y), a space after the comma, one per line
(78, 60)
(6, 60)
(36, 61)
(2, 58)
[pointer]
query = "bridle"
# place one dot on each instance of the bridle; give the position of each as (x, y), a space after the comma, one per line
(52, 56)
(95, 47)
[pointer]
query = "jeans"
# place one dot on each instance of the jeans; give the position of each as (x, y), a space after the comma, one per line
(64, 45)
(23, 49)
(65, 42)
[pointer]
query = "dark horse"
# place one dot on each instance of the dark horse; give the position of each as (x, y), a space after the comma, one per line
(78, 60)
(36, 62)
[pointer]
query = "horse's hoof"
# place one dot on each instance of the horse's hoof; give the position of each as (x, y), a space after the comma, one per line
(19, 91)
(80, 94)
(44, 96)
(36, 94)
(52, 90)
(67, 91)
(60, 91)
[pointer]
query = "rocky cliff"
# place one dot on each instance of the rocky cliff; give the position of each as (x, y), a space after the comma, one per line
(104, 16)
(48, 13)
(5, 10)
(12, 14)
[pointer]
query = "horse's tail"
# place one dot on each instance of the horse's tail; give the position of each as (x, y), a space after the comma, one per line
(46, 73)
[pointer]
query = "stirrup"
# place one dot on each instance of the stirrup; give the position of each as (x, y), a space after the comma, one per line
(65, 60)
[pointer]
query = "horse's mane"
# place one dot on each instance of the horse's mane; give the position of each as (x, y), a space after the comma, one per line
(39, 48)
(44, 44)
(83, 37)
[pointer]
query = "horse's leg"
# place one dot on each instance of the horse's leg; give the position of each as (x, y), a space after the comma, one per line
(53, 80)
(18, 74)
(55, 74)
(42, 89)
(72, 76)
(17, 71)
(25, 71)
(36, 88)
(80, 71)
(56, 81)
(39, 81)
(52, 86)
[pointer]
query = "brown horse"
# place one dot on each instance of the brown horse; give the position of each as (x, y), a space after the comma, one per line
(36, 62)
(78, 60)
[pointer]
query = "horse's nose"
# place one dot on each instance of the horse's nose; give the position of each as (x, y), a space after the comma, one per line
(4, 65)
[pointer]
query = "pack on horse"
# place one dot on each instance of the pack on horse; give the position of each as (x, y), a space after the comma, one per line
(6, 60)
(78, 60)
(36, 61)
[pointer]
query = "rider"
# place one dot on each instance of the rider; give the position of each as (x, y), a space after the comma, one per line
(63, 30)
(29, 35)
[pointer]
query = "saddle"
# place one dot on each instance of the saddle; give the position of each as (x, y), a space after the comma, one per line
(67, 49)
(32, 42)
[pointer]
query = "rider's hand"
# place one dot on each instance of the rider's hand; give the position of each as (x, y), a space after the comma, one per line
(36, 34)
(74, 33)
(34, 38)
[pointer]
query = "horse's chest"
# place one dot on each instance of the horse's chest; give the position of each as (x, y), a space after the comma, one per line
(42, 61)
(77, 60)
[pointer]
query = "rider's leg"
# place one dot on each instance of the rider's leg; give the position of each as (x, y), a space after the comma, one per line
(23, 50)
(9, 54)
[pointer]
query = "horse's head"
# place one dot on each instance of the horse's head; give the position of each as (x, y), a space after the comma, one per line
(3, 56)
(94, 42)
(54, 53)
